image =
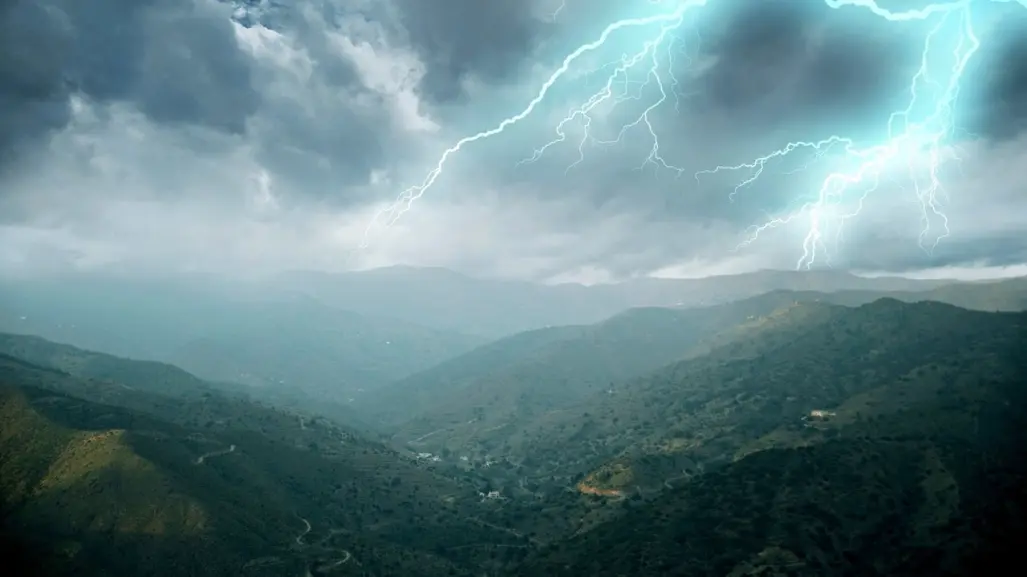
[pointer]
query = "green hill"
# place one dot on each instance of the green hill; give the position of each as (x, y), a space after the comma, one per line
(807, 357)
(490, 398)
(364, 330)
(495, 390)
(989, 296)
(134, 486)
(755, 394)
(919, 470)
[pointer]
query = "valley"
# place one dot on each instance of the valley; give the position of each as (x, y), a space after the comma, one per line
(775, 434)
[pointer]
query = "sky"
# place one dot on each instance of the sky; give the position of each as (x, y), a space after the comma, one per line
(157, 136)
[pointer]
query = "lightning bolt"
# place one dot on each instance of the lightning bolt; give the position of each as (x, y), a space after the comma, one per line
(610, 93)
(391, 213)
(912, 134)
(909, 138)
(560, 8)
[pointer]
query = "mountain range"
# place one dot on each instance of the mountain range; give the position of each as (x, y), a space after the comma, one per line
(755, 430)
(444, 299)
(332, 337)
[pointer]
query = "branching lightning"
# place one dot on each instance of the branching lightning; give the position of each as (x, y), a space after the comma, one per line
(919, 133)
(609, 94)
(406, 199)
(909, 139)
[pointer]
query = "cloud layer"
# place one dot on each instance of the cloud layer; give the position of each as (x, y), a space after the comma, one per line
(262, 135)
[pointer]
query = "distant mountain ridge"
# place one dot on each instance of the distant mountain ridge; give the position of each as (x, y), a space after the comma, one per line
(551, 369)
(445, 299)
(257, 337)
(310, 337)
(531, 376)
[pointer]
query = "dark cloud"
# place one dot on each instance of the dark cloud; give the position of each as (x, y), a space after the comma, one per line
(457, 38)
(781, 71)
(801, 64)
(318, 154)
(1000, 111)
(493, 41)
(995, 250)
(176, 60)
(33, 95)
(787, 71)
(312, 96)
(306, 23)
(320, 138)
(190, 68)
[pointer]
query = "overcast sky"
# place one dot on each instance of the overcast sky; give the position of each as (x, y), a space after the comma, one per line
(255, 136)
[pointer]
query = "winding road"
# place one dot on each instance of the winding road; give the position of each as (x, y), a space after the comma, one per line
(299, 538)
(199, 460)
(310, 570)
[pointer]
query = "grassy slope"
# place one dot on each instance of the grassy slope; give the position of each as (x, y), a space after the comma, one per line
(103, 486)
(87, 496)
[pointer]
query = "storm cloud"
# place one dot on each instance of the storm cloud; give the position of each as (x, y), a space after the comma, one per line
(178, 62)
(263, 135)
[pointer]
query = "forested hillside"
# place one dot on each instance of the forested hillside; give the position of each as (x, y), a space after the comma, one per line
(168, 486)
(780, 436)
(917, 474)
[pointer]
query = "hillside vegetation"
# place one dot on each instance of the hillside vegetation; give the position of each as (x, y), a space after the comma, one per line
(917, 470)
(783, 435)
(543, 369)
(114, 489)
(810, 356)
(489, 399)
(753, 393)
(548, 370)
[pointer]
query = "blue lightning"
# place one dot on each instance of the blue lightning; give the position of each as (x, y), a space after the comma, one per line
(556, 13)
(406, 199)
(649, 53)
(908, 139)
(912, 135)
